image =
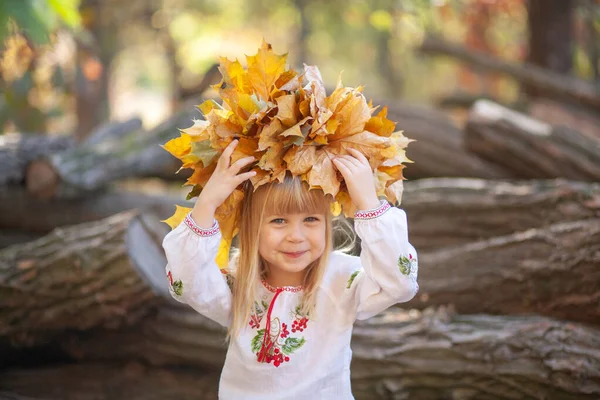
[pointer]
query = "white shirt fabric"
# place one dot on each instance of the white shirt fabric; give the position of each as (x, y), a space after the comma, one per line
(308, 360)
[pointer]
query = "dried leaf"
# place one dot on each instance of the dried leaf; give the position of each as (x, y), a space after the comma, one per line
(174, 220)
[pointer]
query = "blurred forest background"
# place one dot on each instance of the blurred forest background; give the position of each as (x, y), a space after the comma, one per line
(502, 96)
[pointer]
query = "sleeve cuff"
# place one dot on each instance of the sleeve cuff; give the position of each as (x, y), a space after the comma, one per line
(374, 213)
(190, 223)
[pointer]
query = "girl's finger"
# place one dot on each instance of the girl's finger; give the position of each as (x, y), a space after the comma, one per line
(225, 158)
(353, 162)
(358, 155)
(245, 176)
(241, 163)
(342, 167)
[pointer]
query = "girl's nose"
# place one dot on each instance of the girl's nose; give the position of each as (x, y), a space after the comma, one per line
(296, 233)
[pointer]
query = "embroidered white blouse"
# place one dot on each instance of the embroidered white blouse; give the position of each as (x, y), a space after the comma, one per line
(296, 358)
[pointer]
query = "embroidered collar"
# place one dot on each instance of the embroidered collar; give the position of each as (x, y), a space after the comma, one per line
(274, 289)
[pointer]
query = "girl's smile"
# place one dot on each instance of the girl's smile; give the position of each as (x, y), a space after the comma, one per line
(289, 243)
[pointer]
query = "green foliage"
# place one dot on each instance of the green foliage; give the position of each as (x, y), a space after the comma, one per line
(37, 18)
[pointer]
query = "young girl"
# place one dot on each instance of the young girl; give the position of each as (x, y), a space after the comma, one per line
(289, 301)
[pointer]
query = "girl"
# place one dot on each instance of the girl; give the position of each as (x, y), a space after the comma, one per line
(289, 302)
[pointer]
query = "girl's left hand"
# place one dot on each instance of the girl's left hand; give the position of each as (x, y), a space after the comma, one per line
(359, 179)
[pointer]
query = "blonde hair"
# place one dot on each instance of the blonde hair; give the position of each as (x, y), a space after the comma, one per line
(291, 196)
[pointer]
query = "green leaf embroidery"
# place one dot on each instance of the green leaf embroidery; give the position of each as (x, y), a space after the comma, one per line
(352, 279)
(292, 344)
(406, 264)
(257, 341)
(178, 287)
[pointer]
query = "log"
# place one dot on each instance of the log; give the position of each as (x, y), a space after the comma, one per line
(21, 211)
(17, 151)
(438, 150)
(400, 354)
(453, 211)
(107, 382)
(531, 149)
(73, 278)
(447, 356)
(96, 163)
(550, 83)
(552, 271)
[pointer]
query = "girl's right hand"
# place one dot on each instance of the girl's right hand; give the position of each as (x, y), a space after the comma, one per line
(220, 185)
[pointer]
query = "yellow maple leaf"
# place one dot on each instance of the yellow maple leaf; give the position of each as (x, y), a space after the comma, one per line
(174, 220)
(264, 69)
(323, 175)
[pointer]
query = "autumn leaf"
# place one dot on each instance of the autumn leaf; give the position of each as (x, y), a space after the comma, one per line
(269, 134)
(300, 159)
(286, 112)
(264, 69)
(174, 220)
(380, 125)
(323, 175)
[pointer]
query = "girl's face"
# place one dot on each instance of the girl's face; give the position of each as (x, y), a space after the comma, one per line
(291, 242)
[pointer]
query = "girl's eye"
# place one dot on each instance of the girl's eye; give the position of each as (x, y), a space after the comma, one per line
(278, 221)
(311, 219)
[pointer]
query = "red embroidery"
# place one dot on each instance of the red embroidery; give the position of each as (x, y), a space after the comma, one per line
(273, 289)
(370, 214)
(189, 222)
(274, 343)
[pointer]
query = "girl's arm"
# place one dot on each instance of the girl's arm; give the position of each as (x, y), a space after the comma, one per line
(388, 262)
(194, 276)
(387, 272)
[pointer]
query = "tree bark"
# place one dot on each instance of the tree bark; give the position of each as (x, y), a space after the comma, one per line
(17, 151)
(131, 381)
(528, 148)
(400, 354)
(21, 211)
(549, 83)
(474, 357)
(438, 149)
(450, 212)
(89, 167)
(552, 271)
(74, 278)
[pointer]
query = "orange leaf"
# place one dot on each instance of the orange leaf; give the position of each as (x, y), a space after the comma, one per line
(323, 175)
(264, 69)
(286, 112)
(380, 124)
(300, 159)
(268, 136)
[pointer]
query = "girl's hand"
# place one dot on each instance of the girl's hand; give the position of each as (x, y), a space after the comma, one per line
(359, 179)
(220, 185)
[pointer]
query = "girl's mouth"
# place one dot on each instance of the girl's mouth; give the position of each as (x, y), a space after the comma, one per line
(294, 254)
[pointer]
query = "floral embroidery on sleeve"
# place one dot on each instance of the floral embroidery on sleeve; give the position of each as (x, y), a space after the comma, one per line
(407, 265)
(176, 286)
(354, 274)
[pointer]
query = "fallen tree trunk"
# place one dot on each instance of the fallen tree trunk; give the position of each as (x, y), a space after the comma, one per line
(531, 149)
(400, 354)
(17, 151)
(474, 356)
(552, 271)
(547, 82)
(92, 166)
(21, 211)
(449, 211)
(438, 149)
(74, 278)
(131, 381)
